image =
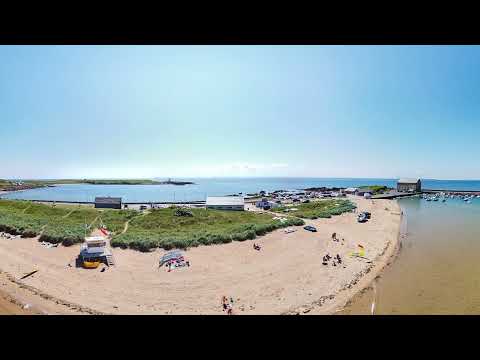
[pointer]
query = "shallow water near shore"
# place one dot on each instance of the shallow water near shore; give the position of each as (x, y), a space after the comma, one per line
(436, 270)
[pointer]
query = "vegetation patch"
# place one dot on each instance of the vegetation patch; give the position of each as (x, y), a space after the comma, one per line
(159, 228)
(318, 209)
(162, 228)
(376, 189)
(32, 219)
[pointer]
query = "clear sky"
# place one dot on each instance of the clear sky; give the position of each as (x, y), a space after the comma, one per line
(187, 111)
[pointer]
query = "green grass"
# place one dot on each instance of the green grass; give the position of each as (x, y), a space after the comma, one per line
(376, 189)
(161, 228)
(14, 221)
(318, 209)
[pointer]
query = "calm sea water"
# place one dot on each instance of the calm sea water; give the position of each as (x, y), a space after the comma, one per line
(212, 186)
(436, 271)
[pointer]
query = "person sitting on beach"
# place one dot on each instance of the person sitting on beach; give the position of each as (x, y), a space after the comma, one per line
(334, 236)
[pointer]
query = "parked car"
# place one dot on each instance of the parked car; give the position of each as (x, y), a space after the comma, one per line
(367, 214)
(143, 207)
(310, 228)
(290, 230)
(362, 218)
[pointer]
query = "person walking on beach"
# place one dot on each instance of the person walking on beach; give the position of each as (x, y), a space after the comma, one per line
(224, 303)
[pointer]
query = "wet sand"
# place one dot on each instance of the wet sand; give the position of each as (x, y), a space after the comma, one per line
(439, 249)
(285, 277)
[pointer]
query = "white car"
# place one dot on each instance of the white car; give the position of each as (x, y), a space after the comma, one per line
(288, 231)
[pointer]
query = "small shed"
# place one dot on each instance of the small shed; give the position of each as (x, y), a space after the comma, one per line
(362, 192)
(409, 185)
(108, 202)
(265, 203)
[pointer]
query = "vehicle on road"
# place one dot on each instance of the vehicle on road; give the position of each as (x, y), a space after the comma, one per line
(367, 214)
(310, 228)
(362, 218)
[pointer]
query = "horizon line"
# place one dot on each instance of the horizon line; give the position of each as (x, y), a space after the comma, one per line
(233, 177)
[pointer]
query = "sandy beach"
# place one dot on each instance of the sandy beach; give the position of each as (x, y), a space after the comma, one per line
(285, 277)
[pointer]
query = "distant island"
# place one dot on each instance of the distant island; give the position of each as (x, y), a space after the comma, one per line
(14, 185)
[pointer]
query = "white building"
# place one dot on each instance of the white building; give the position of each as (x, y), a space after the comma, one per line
(226, 202)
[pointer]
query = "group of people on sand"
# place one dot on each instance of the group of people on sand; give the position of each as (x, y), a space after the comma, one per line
(335, 238)
(174, 263)
(227, 305)
(336, 259)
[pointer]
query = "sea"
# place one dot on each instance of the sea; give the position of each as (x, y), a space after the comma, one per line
(204, 187)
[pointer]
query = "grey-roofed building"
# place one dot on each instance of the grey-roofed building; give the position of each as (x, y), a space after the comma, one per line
(226, 202)
(363, 191)
(108, 202)
(409, 185)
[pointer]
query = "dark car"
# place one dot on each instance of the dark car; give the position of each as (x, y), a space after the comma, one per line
(367, 214)
(310, 228)
(362, 218)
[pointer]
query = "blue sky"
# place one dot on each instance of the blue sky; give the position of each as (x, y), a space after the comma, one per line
(186, 111)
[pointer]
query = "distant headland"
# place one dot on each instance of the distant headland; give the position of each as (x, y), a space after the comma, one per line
(14, 185)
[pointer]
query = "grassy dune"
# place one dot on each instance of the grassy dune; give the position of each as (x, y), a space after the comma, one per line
(318, 209)
(64, 224)
(159, 228)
